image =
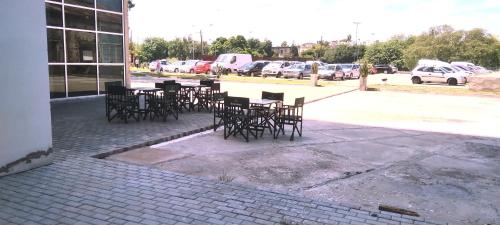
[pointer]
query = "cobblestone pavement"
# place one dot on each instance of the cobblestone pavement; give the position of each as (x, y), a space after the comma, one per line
(80, 128)
(78, 189)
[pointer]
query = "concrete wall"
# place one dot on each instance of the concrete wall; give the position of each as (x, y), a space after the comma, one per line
(25, 123)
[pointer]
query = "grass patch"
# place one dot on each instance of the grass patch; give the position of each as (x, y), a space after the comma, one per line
(236, 78)
(433, 89)
(225, 177)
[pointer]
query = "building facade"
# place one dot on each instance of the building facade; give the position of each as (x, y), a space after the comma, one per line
(85, 42)
(53, 49)
(282, 52)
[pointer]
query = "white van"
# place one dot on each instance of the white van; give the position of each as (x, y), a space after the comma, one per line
(230, 62)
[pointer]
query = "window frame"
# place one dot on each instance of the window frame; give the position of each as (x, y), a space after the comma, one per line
(96, 32)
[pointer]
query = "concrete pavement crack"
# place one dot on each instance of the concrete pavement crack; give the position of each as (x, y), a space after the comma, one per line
(346, 175)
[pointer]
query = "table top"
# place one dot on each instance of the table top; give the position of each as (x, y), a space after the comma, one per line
(146, 89)
(263, 101)
(191, 85)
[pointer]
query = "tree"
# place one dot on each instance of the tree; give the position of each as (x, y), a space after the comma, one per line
(284, 44)
(446, 44)
(294, 51)
(344, 54)
(219, 46)
(237, 44)
(267, 48)
(130, 4)
(154, 48)
(390, 52)
(180, 48)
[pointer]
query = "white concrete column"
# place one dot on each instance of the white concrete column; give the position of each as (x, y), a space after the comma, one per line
(25, 120)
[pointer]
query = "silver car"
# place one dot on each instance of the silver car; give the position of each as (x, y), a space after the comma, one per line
(298, 71)
(327, 72)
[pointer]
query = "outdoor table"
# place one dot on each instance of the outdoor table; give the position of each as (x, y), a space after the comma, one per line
(194, 93)
(262, 108)
(145, 94)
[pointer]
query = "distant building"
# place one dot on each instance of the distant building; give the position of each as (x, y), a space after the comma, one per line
(282, 52)
(304, 47)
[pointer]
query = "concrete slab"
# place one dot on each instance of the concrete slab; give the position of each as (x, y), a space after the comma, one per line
(443, 176)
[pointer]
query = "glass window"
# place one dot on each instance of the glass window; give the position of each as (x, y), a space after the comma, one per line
(110, 48)
(86, 3)
(53, 15)
(56, 81)
(55, 45)
(109, 74)
(111, 5)
(79, 18)
(82, 80)
(109, 22)
(80, 47)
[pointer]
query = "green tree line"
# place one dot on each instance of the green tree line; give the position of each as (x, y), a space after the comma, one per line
(442, 43)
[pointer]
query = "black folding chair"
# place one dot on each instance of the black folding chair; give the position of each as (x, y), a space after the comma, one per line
(165, 104)
(290, 115)
(159, 85)
(239, 118)
(169, 82)
(107, 99)
(218, 108)
(124, 103)
(267, 114)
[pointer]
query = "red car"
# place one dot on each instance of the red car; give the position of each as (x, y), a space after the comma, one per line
(202, 67)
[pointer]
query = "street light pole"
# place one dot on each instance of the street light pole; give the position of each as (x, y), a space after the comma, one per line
(357, 49)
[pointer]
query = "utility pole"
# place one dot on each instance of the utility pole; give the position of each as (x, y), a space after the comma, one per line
(201, 42)
(357, 49)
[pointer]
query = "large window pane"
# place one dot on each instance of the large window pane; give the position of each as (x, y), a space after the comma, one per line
(55, 45)
(53, 14)
(79, 18)
(109, 22)
(111, 5)
(82, 80)
(56, 81)
(87, 3)
(110, 48)
(80, 47)
(109, 74)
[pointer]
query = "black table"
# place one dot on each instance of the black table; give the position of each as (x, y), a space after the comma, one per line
(193, 94)
(145, 95)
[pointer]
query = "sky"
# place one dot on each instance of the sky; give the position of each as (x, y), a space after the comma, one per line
(302, 21)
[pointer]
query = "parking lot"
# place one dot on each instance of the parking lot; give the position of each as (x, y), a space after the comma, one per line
(409, 151)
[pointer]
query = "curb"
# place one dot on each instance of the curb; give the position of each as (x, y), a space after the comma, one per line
(152, 142)
(333, 95)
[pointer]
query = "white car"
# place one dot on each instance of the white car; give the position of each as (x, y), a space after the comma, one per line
(188, 67)
(275, 68)
(163, 65)
(230, 62)
(174, 67)
(437, 74)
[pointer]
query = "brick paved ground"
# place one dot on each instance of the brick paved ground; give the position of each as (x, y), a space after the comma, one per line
(78, 189)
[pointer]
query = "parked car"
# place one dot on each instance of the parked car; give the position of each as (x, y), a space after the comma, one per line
(444, 65)
(230, 62)
(394, 69)
(202, 67)
(174, 67)
(298, 71)
(252, 69)
(381, 68)
(153, 66)
(188, 67)
(350, 71)
(437, 74)
(275, 68)
(327, 72)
